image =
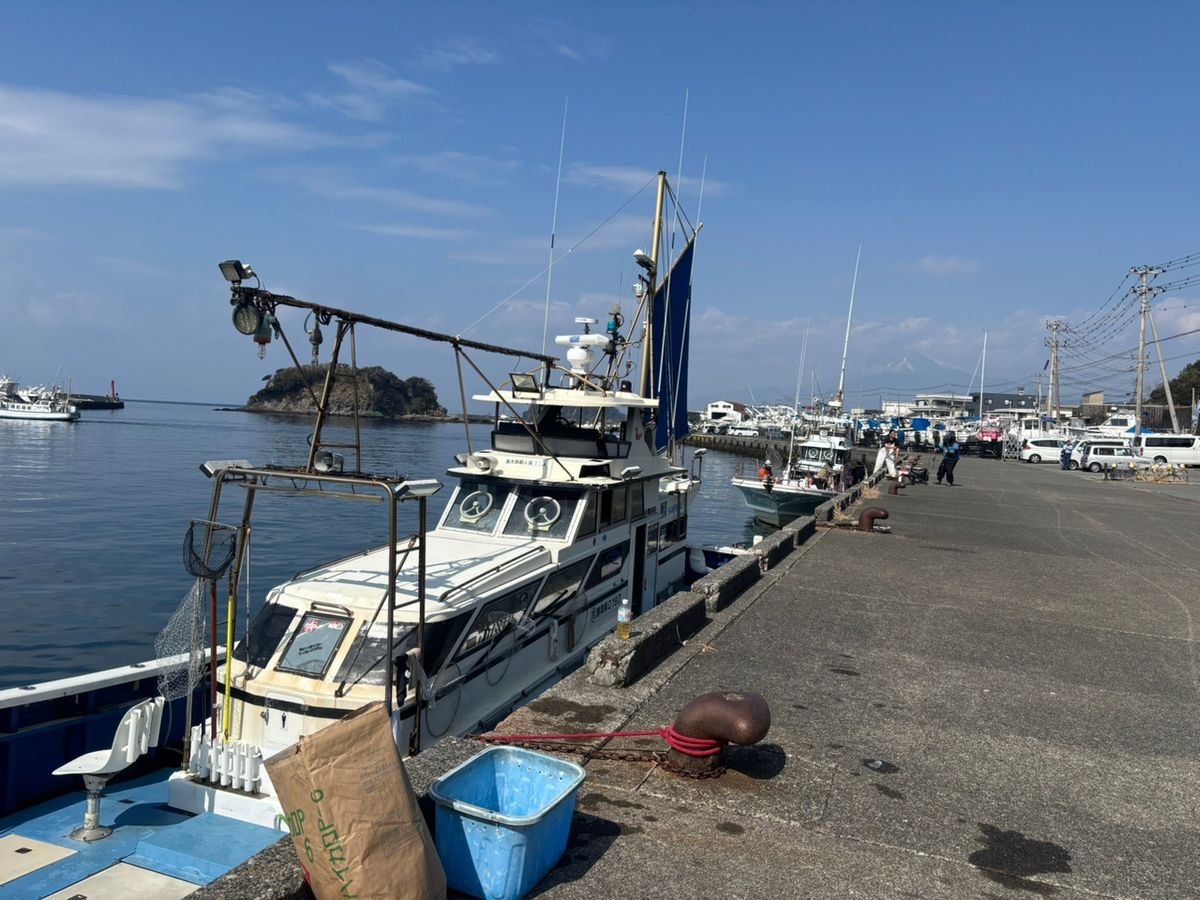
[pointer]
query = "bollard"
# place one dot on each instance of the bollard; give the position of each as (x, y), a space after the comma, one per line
(721, 717)
(894, 487)
(866, 519)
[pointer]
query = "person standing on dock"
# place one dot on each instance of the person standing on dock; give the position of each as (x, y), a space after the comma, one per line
(950, 454)
(887, 455)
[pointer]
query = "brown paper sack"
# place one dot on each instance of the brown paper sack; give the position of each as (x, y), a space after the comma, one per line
(353, 814)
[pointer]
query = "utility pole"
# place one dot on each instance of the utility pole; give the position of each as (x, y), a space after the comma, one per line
(1162, 369)
(1144, 293)
(1053, 390)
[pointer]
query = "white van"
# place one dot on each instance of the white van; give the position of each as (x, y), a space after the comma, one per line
(1081, 448)
(1181, 449)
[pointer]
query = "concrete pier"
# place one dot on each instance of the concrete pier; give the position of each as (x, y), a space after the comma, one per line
(996, 699)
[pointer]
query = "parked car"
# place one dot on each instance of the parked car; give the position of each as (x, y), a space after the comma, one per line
(1097, 458)
(1181, 449)
(1082, 447)
(742, 431)
(1034, 450)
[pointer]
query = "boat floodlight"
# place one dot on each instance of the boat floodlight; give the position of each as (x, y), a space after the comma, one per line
(213, 466)
(246, 318)
(700, 452)
(631, 472)
(421, 487)
(327, 462)
(524, 383)
(642, 259)
(235, 270)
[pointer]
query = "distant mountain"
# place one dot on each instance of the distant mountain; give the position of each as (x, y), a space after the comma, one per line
(911, 373)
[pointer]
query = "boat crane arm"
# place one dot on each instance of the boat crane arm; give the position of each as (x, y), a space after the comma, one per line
(267, 301)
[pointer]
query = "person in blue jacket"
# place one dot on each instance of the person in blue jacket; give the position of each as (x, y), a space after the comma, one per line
(1064, 458)
(950, 453)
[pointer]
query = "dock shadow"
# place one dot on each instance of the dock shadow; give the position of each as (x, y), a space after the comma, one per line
(587, 842)
(759, 761)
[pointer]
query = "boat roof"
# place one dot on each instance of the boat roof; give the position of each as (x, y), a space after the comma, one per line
(463, 564)
(570, 397)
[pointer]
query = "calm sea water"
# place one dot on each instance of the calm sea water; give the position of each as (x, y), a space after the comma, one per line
(93, 517)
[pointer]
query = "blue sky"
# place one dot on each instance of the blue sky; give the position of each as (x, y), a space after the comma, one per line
(1000, 164)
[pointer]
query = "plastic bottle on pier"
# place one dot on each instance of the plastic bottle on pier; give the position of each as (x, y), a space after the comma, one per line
(624, 617)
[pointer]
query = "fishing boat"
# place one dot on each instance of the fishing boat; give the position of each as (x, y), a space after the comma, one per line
(811, 475)
(39, 404)
(577, 505)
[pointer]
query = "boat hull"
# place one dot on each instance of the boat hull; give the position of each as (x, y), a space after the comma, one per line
(34, 415)
(782, 504)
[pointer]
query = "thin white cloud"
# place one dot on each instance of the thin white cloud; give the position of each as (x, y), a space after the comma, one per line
(946, 265)
(371, 89)
(447, 55)
(415, 231)
(333, 184)
(51, 138)
(560, 39)
(465, 167)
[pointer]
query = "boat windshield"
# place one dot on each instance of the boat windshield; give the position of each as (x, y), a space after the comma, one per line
(476, 506)
(542, 512)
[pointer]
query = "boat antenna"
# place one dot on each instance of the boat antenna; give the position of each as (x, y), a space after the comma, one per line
(837, 399)
(799, 382)
(562, 143)
(982, 370)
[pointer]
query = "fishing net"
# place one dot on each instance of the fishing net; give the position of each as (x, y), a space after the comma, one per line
(208, 549)
(182, 642)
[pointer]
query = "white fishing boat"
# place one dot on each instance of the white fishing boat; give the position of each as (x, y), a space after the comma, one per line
(574, 508)
(811, 475)
(39, 404)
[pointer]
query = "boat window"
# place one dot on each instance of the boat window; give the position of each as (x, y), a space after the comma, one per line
(313, 645)
(366, 661)
(266, 631)
(613, 506)
(651, 539)
(496, 618)
(637, 500)
(561, 586)
(674, 531)
(542, 512)
(476, 506)
(611, 561)
(440, 638)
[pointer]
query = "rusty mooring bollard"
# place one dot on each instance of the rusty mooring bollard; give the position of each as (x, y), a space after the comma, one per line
(719, 718)
(866, 519)
(894, 487)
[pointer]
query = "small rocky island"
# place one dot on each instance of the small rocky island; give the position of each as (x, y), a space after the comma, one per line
(380, 394)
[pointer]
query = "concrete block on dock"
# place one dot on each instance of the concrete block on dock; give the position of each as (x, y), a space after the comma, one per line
(801, 529)
(726, 584)
(772, 550)
(655, 635)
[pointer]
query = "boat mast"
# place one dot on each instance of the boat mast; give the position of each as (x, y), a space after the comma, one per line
(837, 399)
(796, 418)
(647, 385)
(982, 371)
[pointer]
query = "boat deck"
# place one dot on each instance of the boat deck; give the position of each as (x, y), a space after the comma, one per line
(154, 852)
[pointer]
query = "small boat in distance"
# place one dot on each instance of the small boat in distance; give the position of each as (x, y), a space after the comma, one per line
(809, 478)
(39, 404)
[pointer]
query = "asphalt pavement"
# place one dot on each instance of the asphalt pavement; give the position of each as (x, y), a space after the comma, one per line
(996, 699)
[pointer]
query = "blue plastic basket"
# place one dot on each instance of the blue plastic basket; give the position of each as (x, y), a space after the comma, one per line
(502, 820)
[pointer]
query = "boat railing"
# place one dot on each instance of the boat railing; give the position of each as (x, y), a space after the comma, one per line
(499, 567)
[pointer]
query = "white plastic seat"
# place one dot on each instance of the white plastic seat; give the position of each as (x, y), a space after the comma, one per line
(136, 734)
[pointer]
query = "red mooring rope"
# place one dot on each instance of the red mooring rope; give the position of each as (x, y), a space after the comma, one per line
(689, 746)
